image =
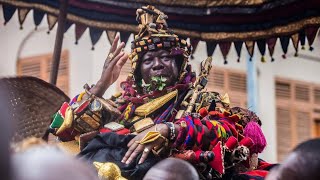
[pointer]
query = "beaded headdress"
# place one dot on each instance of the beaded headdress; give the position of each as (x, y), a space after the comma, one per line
(153, 35)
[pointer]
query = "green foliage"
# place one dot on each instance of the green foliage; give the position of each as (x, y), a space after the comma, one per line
(157, 83)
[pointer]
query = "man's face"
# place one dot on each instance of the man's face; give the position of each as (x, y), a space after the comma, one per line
(159, 63)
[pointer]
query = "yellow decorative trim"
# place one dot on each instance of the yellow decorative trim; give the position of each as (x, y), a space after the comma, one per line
(99, 24)
(253, 35)
(203, 3)
(150, 107)
(205, 36)
(152, 136)
(67, 123)
(108, 170)
(143, 124)
(272, 32)
(80, 96)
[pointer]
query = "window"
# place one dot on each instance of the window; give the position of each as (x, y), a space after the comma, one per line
(296, 116)
(317, 127)
(40, 67)
(229, 81)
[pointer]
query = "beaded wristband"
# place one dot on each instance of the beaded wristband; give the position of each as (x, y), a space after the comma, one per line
(172, 132)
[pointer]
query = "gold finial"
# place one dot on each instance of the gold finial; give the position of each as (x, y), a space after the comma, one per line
(225, 99)
(108, 171)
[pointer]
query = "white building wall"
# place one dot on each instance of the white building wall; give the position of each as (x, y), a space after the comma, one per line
(86, 65)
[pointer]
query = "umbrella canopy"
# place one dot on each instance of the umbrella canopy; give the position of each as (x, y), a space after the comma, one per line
(221, 23)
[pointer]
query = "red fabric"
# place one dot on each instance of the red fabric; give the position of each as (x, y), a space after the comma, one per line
(203, 112)
(200, 131)
(239, 127)
(68, 134)
(63, 109)
(261, 173)
(217, 163)
(82, 107)
(231, 143)
(123, 131)
(230, 128)
(264, 165)
(213, 137)
(246, 141)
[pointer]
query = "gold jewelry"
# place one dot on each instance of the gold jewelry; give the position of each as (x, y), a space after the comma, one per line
(151, 136)
(110, 56)
(146, 150)
(150, 107)
(143, 124)
(67, 123)
(108, 171)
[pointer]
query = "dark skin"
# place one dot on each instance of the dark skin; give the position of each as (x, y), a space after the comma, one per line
(110, 74)
(154, 63)
(172, 169)
(111, 69)
(159, 63)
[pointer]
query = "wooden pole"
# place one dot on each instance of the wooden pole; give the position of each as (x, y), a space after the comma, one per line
(58, 42)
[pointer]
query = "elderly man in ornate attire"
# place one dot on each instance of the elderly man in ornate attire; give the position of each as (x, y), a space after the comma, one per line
(164, 111)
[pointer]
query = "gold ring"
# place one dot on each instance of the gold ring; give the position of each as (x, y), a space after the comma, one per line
(146, 150)
(110, 56)
(138, 142)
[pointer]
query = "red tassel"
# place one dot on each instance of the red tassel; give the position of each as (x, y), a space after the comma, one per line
(247, 142)
(203, 112)
(231, 143)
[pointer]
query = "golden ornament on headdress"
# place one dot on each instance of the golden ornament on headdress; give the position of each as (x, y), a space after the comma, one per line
(154, 34)
(151, 21)
(108, 171)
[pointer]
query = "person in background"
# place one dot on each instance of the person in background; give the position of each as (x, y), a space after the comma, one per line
(303, 163)
(172, 169)
(5, 134)
(36, 160)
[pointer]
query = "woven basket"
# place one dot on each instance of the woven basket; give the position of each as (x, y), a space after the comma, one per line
(31, 102)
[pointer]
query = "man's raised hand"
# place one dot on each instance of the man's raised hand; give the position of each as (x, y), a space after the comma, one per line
(111, 69)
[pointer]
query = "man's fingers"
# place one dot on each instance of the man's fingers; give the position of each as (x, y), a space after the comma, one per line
(115, 60)
(118, 49)
(117, 68)
(122, 60)
(114, 44)
(145, 154)
(129, 152)
(110, 63)
(132, 141)
(115, 51)
(134, 154)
